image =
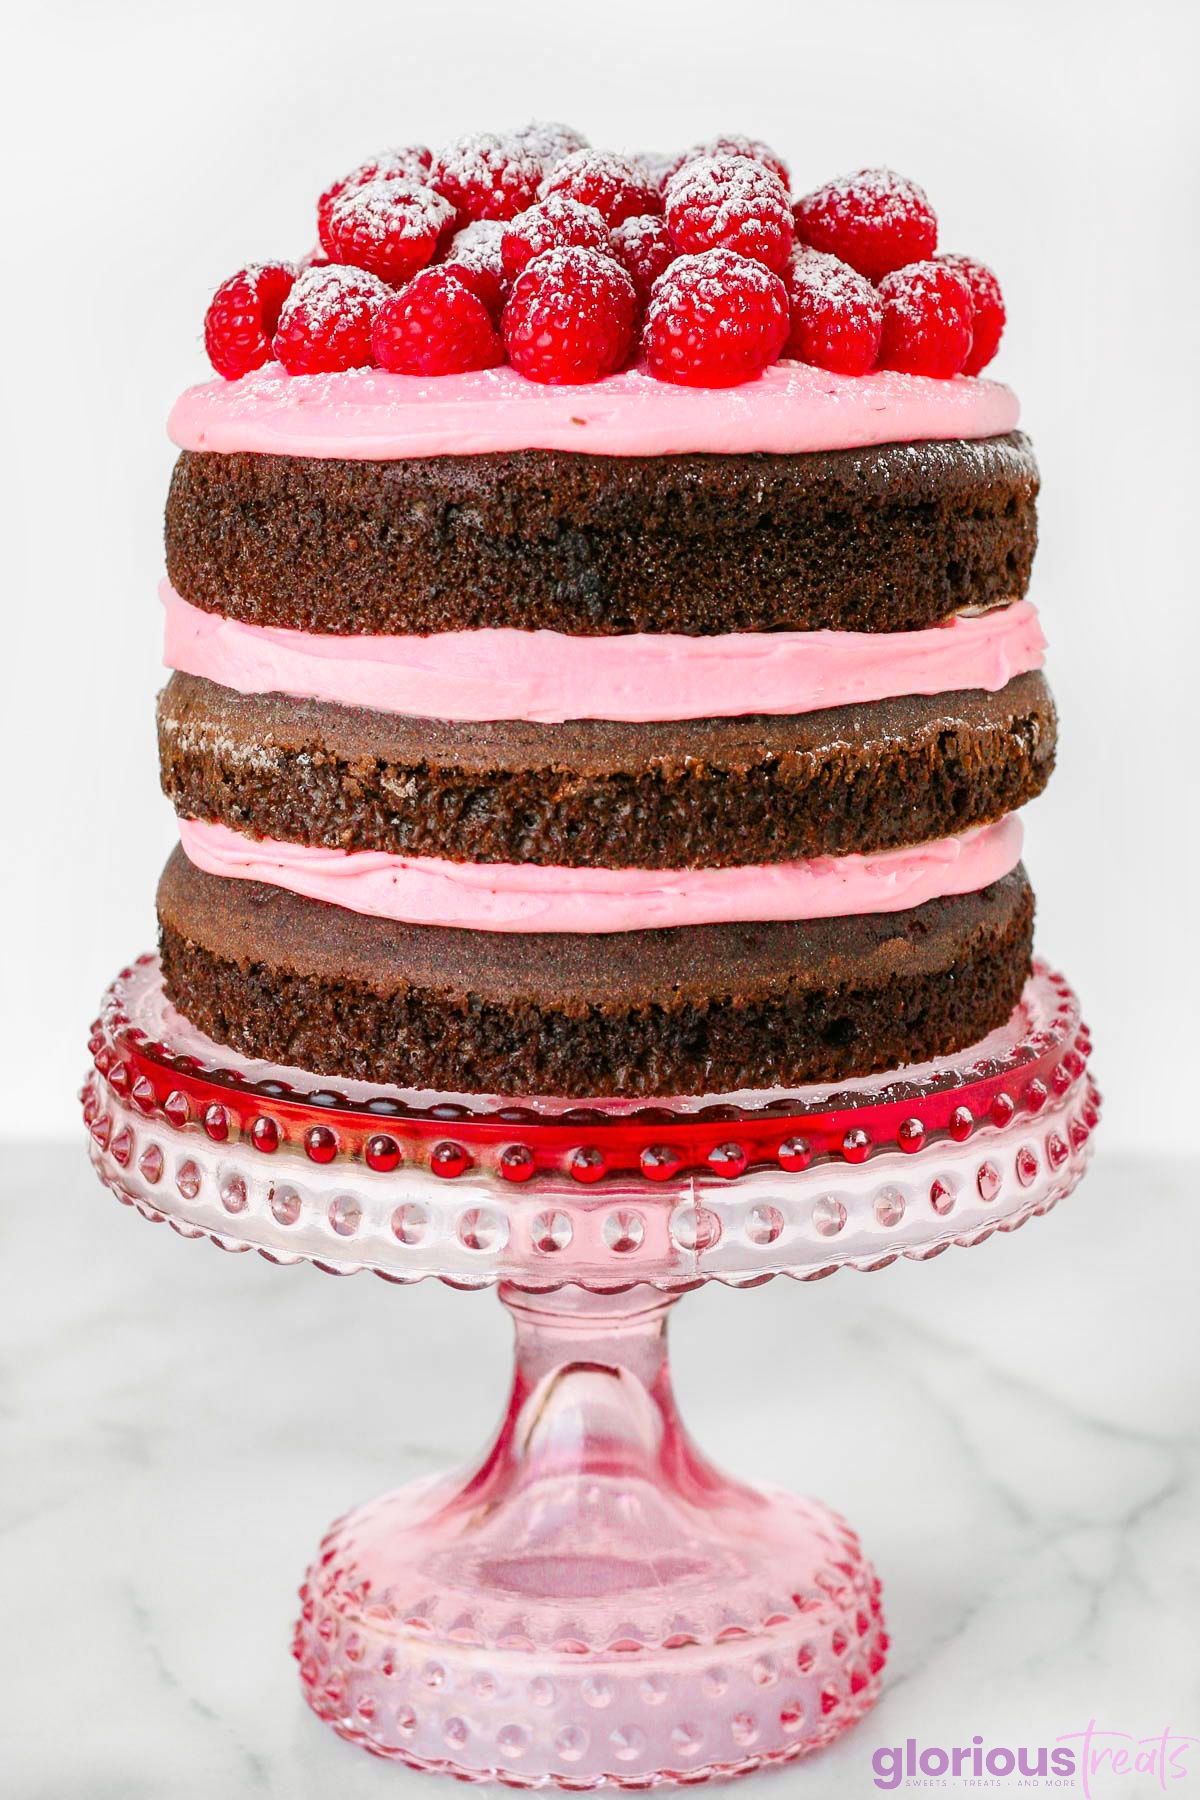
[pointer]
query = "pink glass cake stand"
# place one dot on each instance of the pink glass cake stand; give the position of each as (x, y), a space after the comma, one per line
(592, 1602)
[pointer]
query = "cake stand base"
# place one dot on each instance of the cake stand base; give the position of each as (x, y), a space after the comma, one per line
(594, 1603)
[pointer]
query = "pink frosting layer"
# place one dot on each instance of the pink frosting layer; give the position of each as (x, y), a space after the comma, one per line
(549, 677)
(367, 413)
(425, 890)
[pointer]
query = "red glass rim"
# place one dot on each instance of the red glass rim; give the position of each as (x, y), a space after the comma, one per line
(150, 1056)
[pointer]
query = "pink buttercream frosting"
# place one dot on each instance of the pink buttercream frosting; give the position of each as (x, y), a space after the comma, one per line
(549, 677)
(426, 890)
(368, 413)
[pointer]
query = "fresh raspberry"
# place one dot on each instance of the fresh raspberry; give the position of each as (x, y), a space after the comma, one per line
(874, 220)
(487, 177)
(656, 165)
(390, 226)
(435, 326)
(614, 185)
(549, 141)
(474, 253)
(733, 144)
(730, 203)
(644, 245)
(715, 320)
(987, 325)
(325, 324)
(836, 314)
(570, 316)
(926, 320)
(412, 160)
(552, 224)
(242, 316)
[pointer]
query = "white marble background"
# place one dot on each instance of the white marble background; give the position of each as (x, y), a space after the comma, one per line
(1013, 1431)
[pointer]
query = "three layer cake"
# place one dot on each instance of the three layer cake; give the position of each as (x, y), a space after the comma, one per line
(559, 729)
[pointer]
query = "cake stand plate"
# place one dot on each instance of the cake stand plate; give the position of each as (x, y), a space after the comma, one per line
(592, 1603)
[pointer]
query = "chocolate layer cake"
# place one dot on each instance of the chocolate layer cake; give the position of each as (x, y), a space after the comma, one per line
(634, 729)
(700, 793)
(887, 538)
(279, 976)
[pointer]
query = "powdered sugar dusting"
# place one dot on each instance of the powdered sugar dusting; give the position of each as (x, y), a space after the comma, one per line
(827, 276)
(325, 323)
(613, 184)
(891, 194)
(988, 315)
(394, 205)
(837, 316)
(875, 219)
(390, 226)
(646, 247)
(706, 276)
(487, 175)
(927, 319)
(549, 140)
(642, 231)
(730, 201)
(656, 165)
(734, 144)
(918, 291)
(322, 293)
(715, 320)
(570, 316)
(411, 160)
(554, 223)
(476, 253)
(479, 237)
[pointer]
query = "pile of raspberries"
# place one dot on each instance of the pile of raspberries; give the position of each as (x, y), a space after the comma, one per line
(569, 263)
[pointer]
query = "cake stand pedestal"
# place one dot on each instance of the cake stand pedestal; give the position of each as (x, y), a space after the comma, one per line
(593, 1602)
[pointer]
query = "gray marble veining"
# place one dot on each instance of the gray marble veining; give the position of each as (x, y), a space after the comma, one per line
(1014, 1432)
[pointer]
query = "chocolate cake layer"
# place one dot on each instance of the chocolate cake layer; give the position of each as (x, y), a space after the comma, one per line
(694, 1010)
(709, 793)
(888, 538)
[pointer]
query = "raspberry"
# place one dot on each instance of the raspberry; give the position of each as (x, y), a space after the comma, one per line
(644, 245)
(733, 144)
(570, 316)
(657, 166)
(242, 316)
(549, 141)
(730, 203)
(487, 177)
(390, 226)
(614, 185)
(926, 320)
(325, 324)
(715, 320)
(435, 326)
(987, 323)
(875, 220)
(475, 256)
(552, 224)
(412, 160)
(836, 314)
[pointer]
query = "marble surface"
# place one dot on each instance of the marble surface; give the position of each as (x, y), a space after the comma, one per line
(1013, 1431)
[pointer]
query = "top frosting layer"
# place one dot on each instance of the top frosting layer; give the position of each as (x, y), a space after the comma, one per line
(370, 415)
